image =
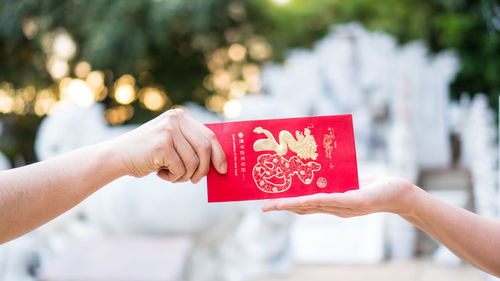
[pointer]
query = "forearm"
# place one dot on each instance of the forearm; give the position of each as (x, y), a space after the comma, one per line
(473, 238)
(32, 195)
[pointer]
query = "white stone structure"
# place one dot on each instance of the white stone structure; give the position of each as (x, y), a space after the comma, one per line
(480, 149)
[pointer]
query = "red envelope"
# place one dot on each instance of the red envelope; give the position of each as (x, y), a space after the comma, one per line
(284, 158)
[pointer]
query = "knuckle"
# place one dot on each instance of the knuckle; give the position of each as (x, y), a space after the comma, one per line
(158, 149)
(179, 111)
(157, 162)
(174, 114)
(193, 163)
(204, 147)
(211, 135)
(161, 143)
(167, 128)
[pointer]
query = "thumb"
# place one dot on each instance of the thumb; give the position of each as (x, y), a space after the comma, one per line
(218, 157)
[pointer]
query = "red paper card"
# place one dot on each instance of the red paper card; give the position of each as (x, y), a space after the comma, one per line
(284, 158)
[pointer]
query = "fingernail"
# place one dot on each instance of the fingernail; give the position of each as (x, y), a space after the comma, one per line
(223, 167)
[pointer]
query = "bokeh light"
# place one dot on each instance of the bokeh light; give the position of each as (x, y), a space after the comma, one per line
(222, 80)
(281, 2)
(232, 108)
(63, 88)
(251, 74)
(82, 69)
(6, 100)
(217, 59)
(30, 28)
(125, 94)
(95, 79)
(57, 68)
(215, 102)
(237, 52)
(19, 106)
(260, 50)
(45, 101)
(118, 115)
(28, 94)
(63, 46)
(125, 89)
(238, 89)
(80, 93)
(153, 99)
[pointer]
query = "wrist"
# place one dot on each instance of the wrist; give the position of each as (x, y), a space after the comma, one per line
(110, 157)
(414, 201)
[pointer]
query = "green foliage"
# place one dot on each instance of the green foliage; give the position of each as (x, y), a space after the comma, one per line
(467, 27)
(297, 24)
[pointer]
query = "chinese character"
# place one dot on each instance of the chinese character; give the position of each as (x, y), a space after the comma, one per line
(242, 140)
(242, 152)
(243, 170)
(242, 164)
(242, 146)
(242, 158)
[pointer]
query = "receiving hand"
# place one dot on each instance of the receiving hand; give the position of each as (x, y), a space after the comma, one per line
(383, 194)
(174, 145)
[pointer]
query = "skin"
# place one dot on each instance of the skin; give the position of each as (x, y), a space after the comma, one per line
(473, 238)
(173, 145)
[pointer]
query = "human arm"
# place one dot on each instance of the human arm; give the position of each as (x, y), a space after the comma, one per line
(473, 238)
(173, 145)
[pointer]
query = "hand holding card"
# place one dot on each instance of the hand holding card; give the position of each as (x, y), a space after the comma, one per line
(284, 158)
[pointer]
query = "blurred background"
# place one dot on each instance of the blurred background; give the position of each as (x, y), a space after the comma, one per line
(421, 79)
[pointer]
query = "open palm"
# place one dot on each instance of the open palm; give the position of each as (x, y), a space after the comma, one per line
(376, 194)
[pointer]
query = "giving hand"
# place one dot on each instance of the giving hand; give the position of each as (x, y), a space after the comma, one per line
(174, 145)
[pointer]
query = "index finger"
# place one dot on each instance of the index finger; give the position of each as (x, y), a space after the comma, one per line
(218, 157)
(284, 203)
(313, 200)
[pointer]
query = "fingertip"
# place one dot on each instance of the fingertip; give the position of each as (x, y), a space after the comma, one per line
(267, 209)
(267, 206)
(195, 180)
(218, 157)
(220, 166)
(223, 167)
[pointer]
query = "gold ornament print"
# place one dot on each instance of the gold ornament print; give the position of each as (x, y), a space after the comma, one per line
(321, 182)
(273, 172)
(329, 144)
(305, 145)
